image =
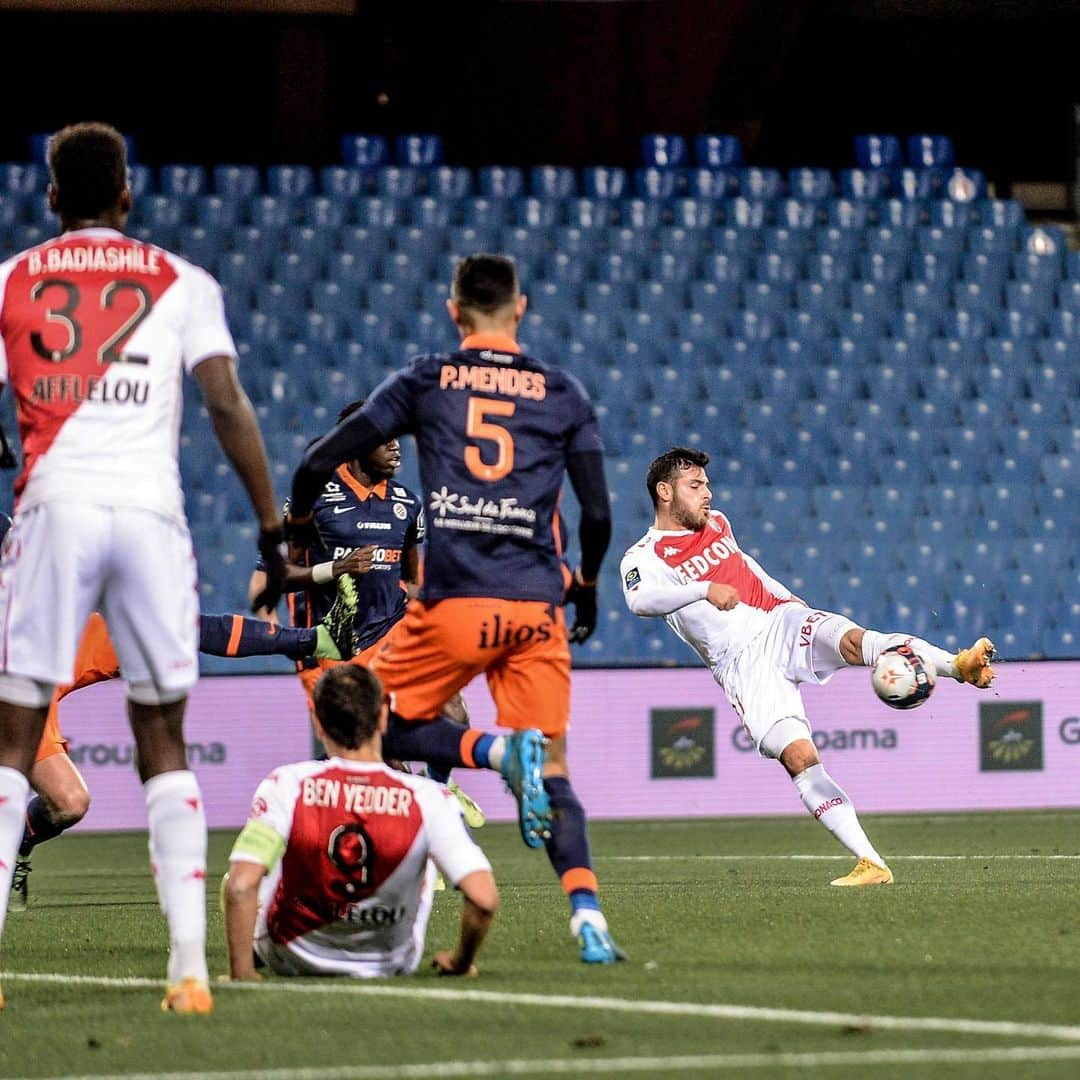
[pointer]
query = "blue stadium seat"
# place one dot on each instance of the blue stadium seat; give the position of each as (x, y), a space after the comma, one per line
(988, 268)
(270, 212)
(929, 151)
(528, 211)
(785, 240)
(940, 241)
(864, 183)
(182, 180)
(946, 214)
(882, 267)
(398, 181)
(655, 183)
(418, 150)
(876, 151)
(887, 239)
(638, 213)
(821, 299)
(902, 214)
(379, 213)
(766, 298)
(713, 183)
(663, 151)
(919, 183)
(965, 185)
(216, 212)
(848, 213)
(693, 213)
(1063, 324)
(366, 151)
(971, 296)
(604, 182)
(17, 178)
(236, 181)
(1019, 325)
(343, 181)
(965, 325)
(934, 267)
(290, 181)
(432, 213)
(718, 151)
(809, 183)
(778, 267)
(745, 213)
(875, 300)
(759, 183)
(796, 214)
(828, 266)
(730, 240)
(552, 182)
(916, 324)
(449, 182)
(999, 213)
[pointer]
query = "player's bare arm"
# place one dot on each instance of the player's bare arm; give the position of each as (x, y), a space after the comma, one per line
(586, 472)
(481, 899)
(358, 561)
(241, 909)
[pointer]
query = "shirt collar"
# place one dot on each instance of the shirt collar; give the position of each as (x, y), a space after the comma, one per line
(496, 342)
(357, 488)
(94, 232)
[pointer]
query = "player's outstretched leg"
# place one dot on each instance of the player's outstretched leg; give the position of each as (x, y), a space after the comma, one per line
(967, 666)
(568, 851)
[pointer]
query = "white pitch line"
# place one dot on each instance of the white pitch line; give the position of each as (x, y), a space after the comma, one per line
(817, 858)
(757, 1013)
(450, 1070)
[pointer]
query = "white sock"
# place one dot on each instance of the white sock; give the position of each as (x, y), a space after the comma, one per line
(174, 808)
(874, 643)
(826, 801)
(497, 753)
(14, 789)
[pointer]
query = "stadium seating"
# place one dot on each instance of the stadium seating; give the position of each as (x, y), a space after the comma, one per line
(883, 361)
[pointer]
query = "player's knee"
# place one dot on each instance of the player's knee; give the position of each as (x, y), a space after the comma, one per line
(799, 756)
(454, 710)
(851, 645)
(69, 806)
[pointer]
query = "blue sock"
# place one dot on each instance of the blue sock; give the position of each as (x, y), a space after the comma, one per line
(39, 827)
(440, 776)
(568, 846)
(481, 750)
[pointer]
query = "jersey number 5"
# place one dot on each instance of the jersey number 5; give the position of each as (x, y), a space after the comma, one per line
(52, 291)
(477, 426)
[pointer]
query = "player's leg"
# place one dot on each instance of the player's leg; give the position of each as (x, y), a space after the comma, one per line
(152, 620)
(428, 657)
(239, 635)
(47, 590)
(62, 800)
(838, 642)
(762, 687)
(532, 688)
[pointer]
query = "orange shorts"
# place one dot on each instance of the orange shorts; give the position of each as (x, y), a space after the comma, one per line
(520, 645)
(310, 676)
(52, 738)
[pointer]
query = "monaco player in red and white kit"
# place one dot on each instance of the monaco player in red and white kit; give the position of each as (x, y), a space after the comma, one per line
(760, 641)
(96, 333)
(333, 873)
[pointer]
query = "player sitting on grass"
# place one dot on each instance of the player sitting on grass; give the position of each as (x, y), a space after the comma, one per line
(333, 874)
(760, 641)
(61, 797)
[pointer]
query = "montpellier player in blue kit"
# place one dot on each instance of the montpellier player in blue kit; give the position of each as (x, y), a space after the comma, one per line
(496, 431)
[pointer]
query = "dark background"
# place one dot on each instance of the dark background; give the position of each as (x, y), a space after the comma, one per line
(560, 82)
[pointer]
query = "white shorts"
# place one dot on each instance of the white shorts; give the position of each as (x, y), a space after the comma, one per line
(62, 561)
(301, 957)
(762, 682)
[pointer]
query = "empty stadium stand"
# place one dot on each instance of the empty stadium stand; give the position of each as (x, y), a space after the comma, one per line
(884, 361)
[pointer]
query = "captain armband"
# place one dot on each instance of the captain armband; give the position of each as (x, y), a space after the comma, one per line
(261, 842)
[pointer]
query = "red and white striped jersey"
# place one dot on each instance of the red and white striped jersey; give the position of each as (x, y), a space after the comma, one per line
(348, 844)
(96, 332)
(668, 574)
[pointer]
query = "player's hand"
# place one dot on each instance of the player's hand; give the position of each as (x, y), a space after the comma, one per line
(358, 561)
(274, 552)
(446, 963)
(721, 596)
(583, 597)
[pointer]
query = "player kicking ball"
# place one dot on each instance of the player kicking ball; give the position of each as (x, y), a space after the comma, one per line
(761, 641)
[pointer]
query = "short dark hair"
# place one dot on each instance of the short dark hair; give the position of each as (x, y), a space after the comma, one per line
(485, 283)
(353, 406)
(664, 469)
(348, 700)
(88, 166)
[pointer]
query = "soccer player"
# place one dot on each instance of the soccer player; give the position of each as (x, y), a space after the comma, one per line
(61, 797)
(97, 330)
(331, 875)
(760, 641)
(496, 431)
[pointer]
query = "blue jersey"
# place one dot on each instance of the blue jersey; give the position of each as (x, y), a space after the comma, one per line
(494, 430)
(347, 516)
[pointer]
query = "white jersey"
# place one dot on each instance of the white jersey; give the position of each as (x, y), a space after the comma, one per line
(668, 574)
(96, 332)
(348, 845)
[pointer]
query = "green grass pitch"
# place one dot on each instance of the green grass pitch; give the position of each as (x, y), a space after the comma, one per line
(982, 950)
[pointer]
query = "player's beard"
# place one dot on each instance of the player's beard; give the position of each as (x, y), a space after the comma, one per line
(688, 517)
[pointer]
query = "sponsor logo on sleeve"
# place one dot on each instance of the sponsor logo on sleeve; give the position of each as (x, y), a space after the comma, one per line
(633, 577)
(683, 743)
(1010, 736)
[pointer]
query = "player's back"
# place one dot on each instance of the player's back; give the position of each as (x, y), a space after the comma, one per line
(494, 428)
(96, 331)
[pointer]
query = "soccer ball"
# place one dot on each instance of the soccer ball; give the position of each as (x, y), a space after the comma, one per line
(901, 678)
